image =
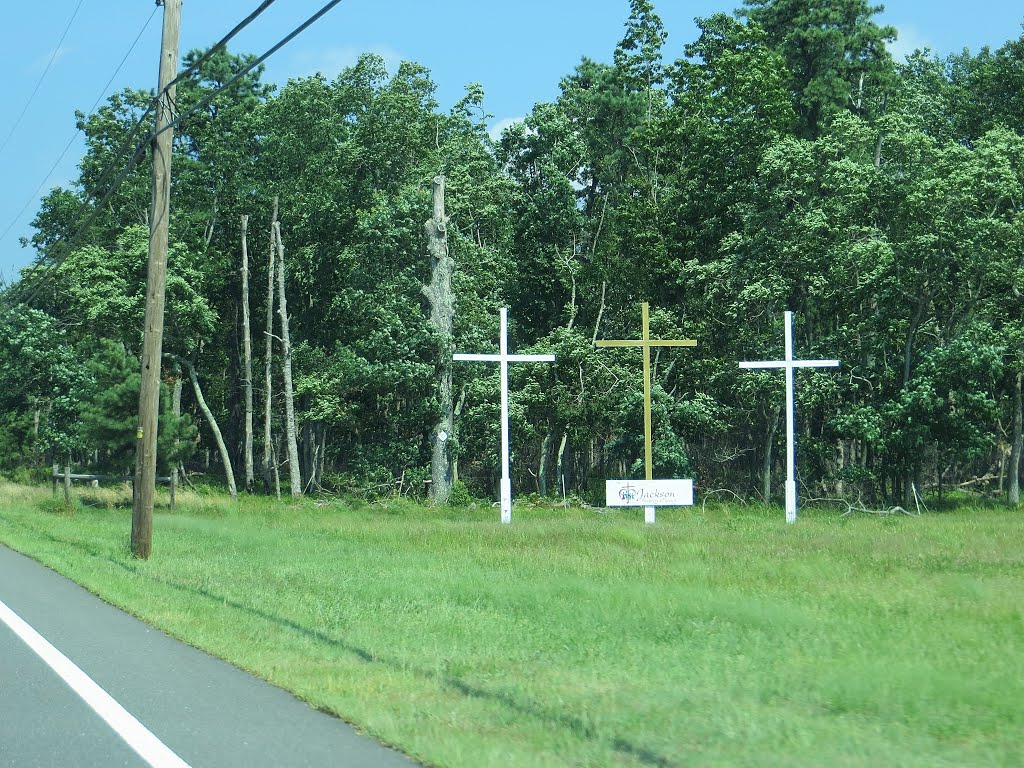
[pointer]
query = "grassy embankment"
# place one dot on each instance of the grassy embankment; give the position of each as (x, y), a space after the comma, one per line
(582, 638)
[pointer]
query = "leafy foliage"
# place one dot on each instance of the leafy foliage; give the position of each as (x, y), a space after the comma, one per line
(783, 161)
(109, 412)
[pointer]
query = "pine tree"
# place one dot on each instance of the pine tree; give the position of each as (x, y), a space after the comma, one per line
(833, 51)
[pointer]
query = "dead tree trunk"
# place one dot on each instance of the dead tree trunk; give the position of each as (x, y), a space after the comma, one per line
(560, 464)
(455, 417)
(294, 470)
(1018, 442)
(319, 476)
(277, 475)
(910, 470)
(250, 480)
(542, 468)
(881, 133)
(442, 315)
(307, 444)
(225, 457)
(269, 463)
(766, 466)
(176, 411)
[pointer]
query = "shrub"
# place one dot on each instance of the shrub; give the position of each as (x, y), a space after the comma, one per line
(459, 497)
(58, 505)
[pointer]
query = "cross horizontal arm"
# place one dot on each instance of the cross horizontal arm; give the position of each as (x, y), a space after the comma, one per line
(649, 343)
(815, 363)
(792, 363)
(492, 358)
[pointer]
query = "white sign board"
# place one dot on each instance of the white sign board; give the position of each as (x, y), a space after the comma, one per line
(648, 493)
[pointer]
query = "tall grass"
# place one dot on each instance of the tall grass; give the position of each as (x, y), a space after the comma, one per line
(584, 638)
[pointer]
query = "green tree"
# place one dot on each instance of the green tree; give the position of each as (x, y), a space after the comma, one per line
(109, 412)
(40, 376)
(835, 54)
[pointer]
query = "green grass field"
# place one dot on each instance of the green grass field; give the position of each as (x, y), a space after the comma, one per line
(583, 638)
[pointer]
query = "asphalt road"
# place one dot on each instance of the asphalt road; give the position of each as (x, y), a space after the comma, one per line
(205, 711)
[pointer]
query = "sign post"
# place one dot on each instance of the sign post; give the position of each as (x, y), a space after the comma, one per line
(789, 364)
(645, 344)
(504, 358)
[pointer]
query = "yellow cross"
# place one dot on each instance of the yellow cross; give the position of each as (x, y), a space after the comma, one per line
(646, 343)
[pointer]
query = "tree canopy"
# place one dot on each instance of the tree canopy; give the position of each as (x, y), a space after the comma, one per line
(782, 160)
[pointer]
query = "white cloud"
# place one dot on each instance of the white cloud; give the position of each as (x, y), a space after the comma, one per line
(330, 61)
(44, 61)
(908, 40)
(499, 127)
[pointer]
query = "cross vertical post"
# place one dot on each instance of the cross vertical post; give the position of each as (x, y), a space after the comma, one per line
(648, 429)
(645, 343)
(504, 358)
(505, 495)
(790, 423)
(789, 364)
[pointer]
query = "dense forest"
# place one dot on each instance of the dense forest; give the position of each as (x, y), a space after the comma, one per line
(782, 160)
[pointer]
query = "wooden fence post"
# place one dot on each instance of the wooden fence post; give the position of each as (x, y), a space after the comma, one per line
(67, 484)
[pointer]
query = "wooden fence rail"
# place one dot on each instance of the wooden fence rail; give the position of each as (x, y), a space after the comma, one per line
(67, 476)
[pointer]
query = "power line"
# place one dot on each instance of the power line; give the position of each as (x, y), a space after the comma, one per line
(219, 44)
(109, 173)
(70, 244)
(71, 141)
(42, 77)
(251, 66)
(186, 73)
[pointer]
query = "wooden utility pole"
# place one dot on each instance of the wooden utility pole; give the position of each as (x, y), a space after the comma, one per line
(156, 279)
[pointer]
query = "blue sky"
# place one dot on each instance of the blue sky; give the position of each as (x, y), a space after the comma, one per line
(518, 51)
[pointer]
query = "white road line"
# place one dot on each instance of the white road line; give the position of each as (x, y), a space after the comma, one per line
(134, 733)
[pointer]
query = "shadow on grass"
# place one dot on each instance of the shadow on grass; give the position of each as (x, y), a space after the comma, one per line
(531, 709)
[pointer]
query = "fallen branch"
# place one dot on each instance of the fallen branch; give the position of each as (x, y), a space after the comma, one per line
(721, 456)
(978, 480)
(859, 506)
(709, 494)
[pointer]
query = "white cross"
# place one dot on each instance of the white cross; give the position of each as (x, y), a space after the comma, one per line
(505, 358)
(789, 364)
